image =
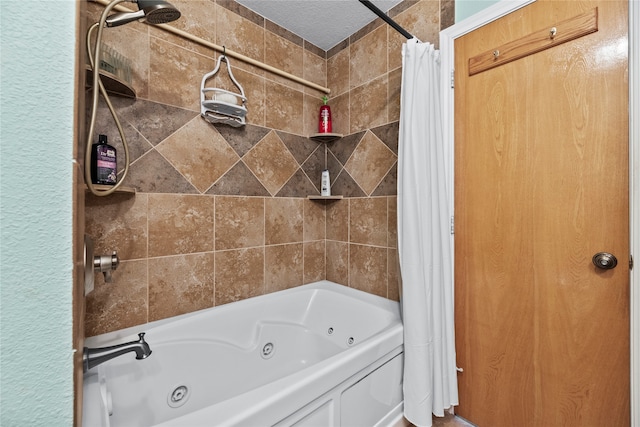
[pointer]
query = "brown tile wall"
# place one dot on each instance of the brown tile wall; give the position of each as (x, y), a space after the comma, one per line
(220, 213)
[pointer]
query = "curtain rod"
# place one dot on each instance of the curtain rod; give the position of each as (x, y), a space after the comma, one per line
(227, 52)
(372, 7)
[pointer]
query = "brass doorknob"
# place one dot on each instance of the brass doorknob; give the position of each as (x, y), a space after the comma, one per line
(605, 260)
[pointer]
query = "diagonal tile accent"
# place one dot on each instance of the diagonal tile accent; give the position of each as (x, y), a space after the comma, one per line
(105, 125)
(242, 139)
(199, 153)
(313, 167)
(239, 181)
(138, 144)
(157, 121)
(370, 162)
(389, 135)
(298, 186)
(152, 173)
(335, 168)
(346, 186)
(300, 147)
(271, 162)
(345, 146)
(389, 185)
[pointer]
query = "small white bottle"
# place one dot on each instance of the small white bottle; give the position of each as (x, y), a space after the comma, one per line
(325, 184)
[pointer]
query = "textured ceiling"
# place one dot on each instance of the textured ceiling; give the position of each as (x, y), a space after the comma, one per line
(325, 23)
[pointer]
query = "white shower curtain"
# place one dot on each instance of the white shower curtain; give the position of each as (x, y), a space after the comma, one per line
(424, 245)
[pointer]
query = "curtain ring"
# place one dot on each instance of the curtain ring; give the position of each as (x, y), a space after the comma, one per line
(552, 32)
(496, 53)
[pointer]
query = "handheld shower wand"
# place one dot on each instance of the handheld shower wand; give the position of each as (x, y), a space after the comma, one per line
(151, 11)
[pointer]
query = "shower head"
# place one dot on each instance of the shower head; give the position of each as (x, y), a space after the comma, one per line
(151, 11)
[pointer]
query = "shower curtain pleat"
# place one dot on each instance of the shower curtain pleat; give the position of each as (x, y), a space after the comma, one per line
(424, 241)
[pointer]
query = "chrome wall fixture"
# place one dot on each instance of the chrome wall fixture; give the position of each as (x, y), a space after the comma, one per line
(105, 264)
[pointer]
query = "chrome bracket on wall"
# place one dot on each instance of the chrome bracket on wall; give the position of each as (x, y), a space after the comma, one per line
(104, 264)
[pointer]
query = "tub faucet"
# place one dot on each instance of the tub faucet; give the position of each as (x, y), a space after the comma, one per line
(93, 357)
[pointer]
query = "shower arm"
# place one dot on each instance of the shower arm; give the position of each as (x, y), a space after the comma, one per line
(98, 87)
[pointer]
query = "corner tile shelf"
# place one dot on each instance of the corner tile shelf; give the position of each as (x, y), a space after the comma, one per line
(112, 83)
(325, 137)
(102, 187)
(314, 197)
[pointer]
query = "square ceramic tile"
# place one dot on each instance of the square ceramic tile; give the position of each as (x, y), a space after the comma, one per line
(180, 224)
(368, 269)
(118, 223)
(284, 220)
(314, 261)
(283, 54)
(119, 304)
(338, 221)
(283, 265)
(338, 72)
(338, 262)
(284, 108)
(239, 222)
(196, 19)
(175, 74)
(368, 104)
(368, 221)
(180, 284)
(368, 59)
(314, 220)
(239, 274)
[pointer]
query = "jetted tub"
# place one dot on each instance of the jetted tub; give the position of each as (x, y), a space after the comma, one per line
(316, 355)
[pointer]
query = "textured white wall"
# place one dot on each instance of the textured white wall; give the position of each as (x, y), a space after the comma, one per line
(36, 147)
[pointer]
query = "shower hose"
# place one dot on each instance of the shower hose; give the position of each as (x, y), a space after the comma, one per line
(94, 61)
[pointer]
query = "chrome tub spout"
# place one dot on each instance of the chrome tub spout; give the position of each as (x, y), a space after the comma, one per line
(93, 357)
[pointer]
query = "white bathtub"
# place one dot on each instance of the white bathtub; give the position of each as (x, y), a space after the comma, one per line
(316, 355)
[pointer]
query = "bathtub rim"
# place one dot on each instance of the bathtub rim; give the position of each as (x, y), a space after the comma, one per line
(131, 332)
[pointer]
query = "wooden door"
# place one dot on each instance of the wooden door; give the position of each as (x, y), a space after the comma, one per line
(541, 185)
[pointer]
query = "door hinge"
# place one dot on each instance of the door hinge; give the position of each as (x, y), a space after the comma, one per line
(630, 262)
(452, 225)
(452, 78)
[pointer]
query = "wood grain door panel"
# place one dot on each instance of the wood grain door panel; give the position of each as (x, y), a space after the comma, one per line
(541, 185)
